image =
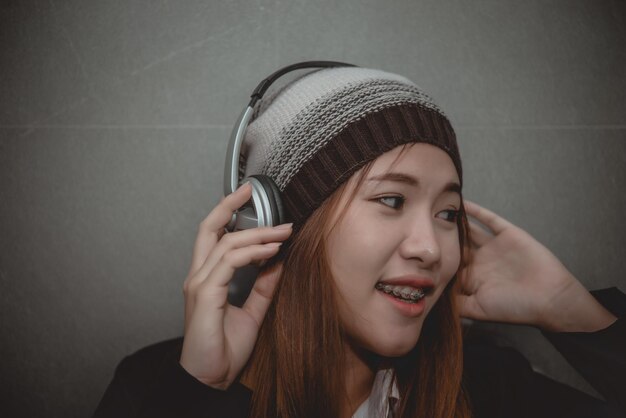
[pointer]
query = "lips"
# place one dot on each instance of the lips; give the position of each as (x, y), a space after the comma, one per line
(425, 283)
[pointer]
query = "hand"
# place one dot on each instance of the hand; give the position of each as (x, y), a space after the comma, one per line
(219, 337)
(513, 278)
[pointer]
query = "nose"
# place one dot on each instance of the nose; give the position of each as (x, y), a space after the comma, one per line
(420, 241)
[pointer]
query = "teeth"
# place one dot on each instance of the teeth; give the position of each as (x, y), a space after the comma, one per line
(410, 294)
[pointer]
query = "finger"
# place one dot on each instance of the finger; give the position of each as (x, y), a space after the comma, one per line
(261, 295)
(237, 258)
(212, 227)
(479, 235)
(209, 295)
(468, 308)
(496, 223)
(469, 283)
(239, 239)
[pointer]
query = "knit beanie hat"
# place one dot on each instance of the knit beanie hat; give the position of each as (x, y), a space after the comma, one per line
(314, 133)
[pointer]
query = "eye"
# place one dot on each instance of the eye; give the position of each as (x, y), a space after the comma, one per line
(398, 199)
(453, 215)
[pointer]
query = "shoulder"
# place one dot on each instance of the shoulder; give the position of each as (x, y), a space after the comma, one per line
(154, 352)
(494, 375)
(500, 381)
(487, 360)
(151, 382)
(148, 362)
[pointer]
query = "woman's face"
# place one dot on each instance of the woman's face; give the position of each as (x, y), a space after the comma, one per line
(397, 231)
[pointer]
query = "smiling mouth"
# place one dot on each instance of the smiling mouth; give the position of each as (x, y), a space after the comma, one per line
(407, 294)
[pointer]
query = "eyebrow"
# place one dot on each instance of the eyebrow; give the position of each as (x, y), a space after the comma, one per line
(412, 181)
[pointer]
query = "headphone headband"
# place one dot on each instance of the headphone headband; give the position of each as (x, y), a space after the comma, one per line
(231, 167)
(260, 90)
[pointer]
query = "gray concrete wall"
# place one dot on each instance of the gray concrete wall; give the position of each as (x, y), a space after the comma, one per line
(114, 120)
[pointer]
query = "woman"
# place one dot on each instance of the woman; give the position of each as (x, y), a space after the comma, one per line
(358, 313)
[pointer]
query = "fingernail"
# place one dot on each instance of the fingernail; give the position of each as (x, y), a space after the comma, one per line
(284, 226)
(243, 185)
(273, 244)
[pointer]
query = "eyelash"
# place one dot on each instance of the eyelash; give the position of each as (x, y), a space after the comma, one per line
(454, 212)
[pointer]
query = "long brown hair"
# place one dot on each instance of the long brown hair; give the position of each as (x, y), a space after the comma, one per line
(297, 366)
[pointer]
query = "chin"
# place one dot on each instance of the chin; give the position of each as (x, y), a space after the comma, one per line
(394, 347)
(397, 351)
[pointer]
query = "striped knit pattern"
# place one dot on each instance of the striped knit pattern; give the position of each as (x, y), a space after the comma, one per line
(314, 133)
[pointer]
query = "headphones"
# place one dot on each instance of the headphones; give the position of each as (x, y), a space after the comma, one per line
(265, 208)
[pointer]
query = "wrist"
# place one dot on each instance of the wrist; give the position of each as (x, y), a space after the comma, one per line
(219, 385)
(575, 310)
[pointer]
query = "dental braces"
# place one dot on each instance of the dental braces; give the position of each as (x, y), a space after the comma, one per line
(413, 295)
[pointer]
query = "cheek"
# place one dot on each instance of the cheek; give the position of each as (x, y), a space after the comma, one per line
(451, 256)
(357, 260)
(356, 253)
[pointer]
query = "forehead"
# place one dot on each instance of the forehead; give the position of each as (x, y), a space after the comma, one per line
(419, 164)
(422, 166)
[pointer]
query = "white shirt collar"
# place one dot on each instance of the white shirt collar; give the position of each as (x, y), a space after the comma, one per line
(377, 404)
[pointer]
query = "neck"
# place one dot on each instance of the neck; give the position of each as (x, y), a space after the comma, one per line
(361, 368)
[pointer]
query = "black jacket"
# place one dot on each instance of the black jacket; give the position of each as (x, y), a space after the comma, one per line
(500, 381)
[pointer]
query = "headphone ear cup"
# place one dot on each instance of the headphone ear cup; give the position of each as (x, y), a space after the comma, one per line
(273, 196)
